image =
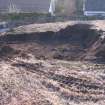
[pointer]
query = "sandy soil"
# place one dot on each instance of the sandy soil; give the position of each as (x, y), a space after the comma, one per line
(52, 64)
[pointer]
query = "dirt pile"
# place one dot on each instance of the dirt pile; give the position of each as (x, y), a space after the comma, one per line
(75, 42)
(7, 52)
(51, 68)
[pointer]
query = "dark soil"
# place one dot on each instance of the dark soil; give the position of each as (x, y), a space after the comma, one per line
(75, 42)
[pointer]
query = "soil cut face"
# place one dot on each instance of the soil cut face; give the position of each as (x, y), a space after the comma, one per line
(72, 43)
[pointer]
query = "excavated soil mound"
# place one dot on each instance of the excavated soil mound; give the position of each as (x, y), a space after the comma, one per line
(72, 43)
(42, 69)
(7, 52)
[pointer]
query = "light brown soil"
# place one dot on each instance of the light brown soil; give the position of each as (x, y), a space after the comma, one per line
(53, 67)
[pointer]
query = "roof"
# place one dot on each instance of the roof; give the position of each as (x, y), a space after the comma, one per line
(26, 5)
(94, 5)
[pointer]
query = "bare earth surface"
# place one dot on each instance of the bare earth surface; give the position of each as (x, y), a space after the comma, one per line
(53, 64)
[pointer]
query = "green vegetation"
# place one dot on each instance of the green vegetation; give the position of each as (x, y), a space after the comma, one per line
(21, 16)
(27, 18)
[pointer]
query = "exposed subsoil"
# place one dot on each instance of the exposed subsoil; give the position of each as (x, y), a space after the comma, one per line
(72, 43)
(53, 68)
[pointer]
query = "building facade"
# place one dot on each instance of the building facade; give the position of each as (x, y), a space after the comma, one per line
(94, 7)
(62, 7)
(24, 6)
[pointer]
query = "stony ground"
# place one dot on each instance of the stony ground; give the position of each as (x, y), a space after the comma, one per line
(38, 69)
